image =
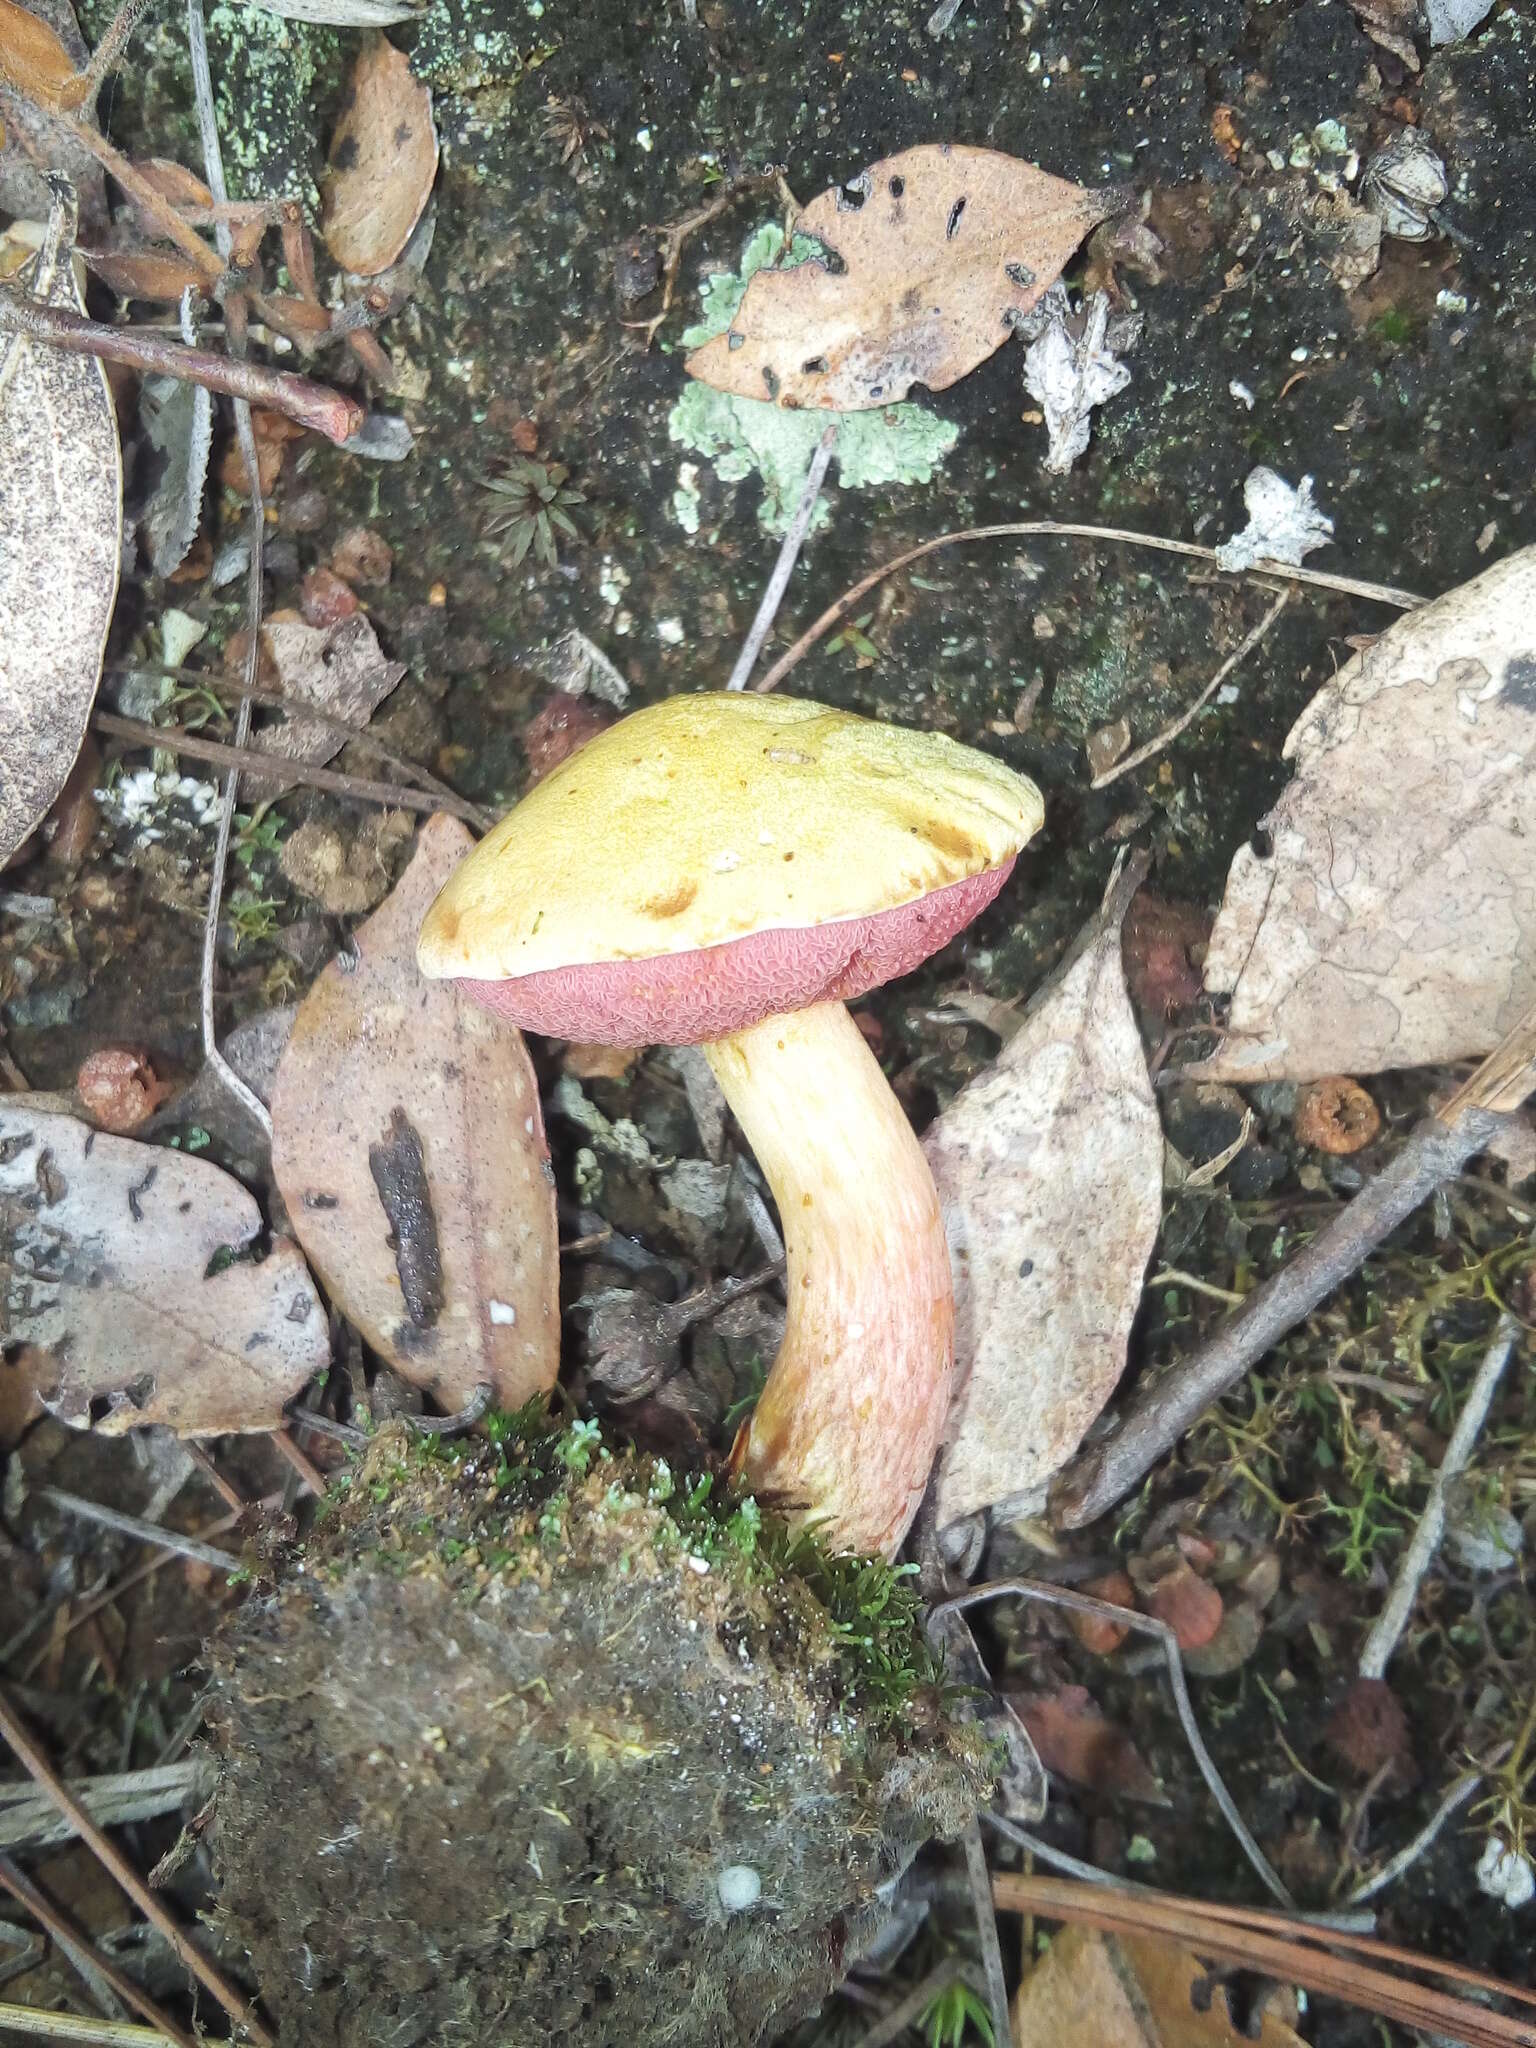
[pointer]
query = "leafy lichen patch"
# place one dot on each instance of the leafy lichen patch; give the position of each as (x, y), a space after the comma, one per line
(746, 436)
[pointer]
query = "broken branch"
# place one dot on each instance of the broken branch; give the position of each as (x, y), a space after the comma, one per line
(314, 405)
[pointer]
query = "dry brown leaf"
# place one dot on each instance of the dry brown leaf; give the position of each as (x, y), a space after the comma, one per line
(950, 246)
(1394, 922)
(1049, 1169)
(32, 143)
(1093, 1990)
(382, 163)
(339, 669)
(1076, 1740)
(61, 515)
(33, 59)
(145, 273)
(105, 1249)
(409, 1148)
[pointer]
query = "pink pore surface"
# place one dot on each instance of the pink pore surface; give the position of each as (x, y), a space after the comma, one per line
(685, 998)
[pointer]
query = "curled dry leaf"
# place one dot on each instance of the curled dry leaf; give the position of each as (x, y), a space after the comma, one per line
(106, 1251)
(177, 417)
(1049, 1169)
(1393, 923)
(382, 163)
(1093, 1990)
(409, 1148)
(61, 515)
(339, 669)
(938, 253)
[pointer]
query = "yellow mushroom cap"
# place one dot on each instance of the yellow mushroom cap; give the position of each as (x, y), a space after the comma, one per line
(710, 818)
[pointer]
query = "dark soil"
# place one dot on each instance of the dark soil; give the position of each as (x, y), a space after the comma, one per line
(1409, 400)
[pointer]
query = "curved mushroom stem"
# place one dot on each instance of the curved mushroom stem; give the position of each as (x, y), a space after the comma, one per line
(854, 1408)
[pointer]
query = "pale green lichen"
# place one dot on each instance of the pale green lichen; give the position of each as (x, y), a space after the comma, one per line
(465, 46)
(265, 70)
(748, 436)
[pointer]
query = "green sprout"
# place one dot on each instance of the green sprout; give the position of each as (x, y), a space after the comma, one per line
(535, 494)
(253, 917)
(855, 636)
(953, 2013)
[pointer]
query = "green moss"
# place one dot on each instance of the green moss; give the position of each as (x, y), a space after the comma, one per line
(471, 1509)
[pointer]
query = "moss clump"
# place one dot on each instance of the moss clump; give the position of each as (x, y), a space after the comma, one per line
(502, 1739)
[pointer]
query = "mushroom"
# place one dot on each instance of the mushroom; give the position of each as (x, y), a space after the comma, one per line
(729, 870)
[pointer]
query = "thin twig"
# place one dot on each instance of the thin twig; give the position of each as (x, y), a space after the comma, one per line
(70, 1938)
(29, 1819)
(1370, 1977)
(784, 567)
(230, 1495)
(356, 735)
(260, 766)
(144, 195)
(142, 1532)
(1089, 1873)
(1158, 1416)
(1039, 529)
(109, 1595)
(117, 1866)
(328, 412)
(318, 1424)
(1417, 1558)
(1143, 1624)
(1409, 1854)
(306, 1470)
(44, 2025)
(109, 50)
(1187, 718)
(235, 330)
(986, 1928)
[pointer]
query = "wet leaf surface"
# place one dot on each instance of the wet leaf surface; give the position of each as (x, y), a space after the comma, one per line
(1393, 923)
(937, 252)
(1049, 1169)
(409, 1147)
(61, 512)
(122, 1263)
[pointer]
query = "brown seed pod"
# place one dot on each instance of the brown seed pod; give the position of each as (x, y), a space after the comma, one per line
(1336, 1115)
(118, 1088)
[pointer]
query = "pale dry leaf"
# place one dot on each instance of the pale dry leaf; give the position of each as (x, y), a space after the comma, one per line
(61, 525)
(1392, 923)
(409, 1148)
(1093, 1990)
(177, 418)
(107, 1264)
(382, 162)
(339, 669)
(1049, 1171)
(345, 13)
(936, 255)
